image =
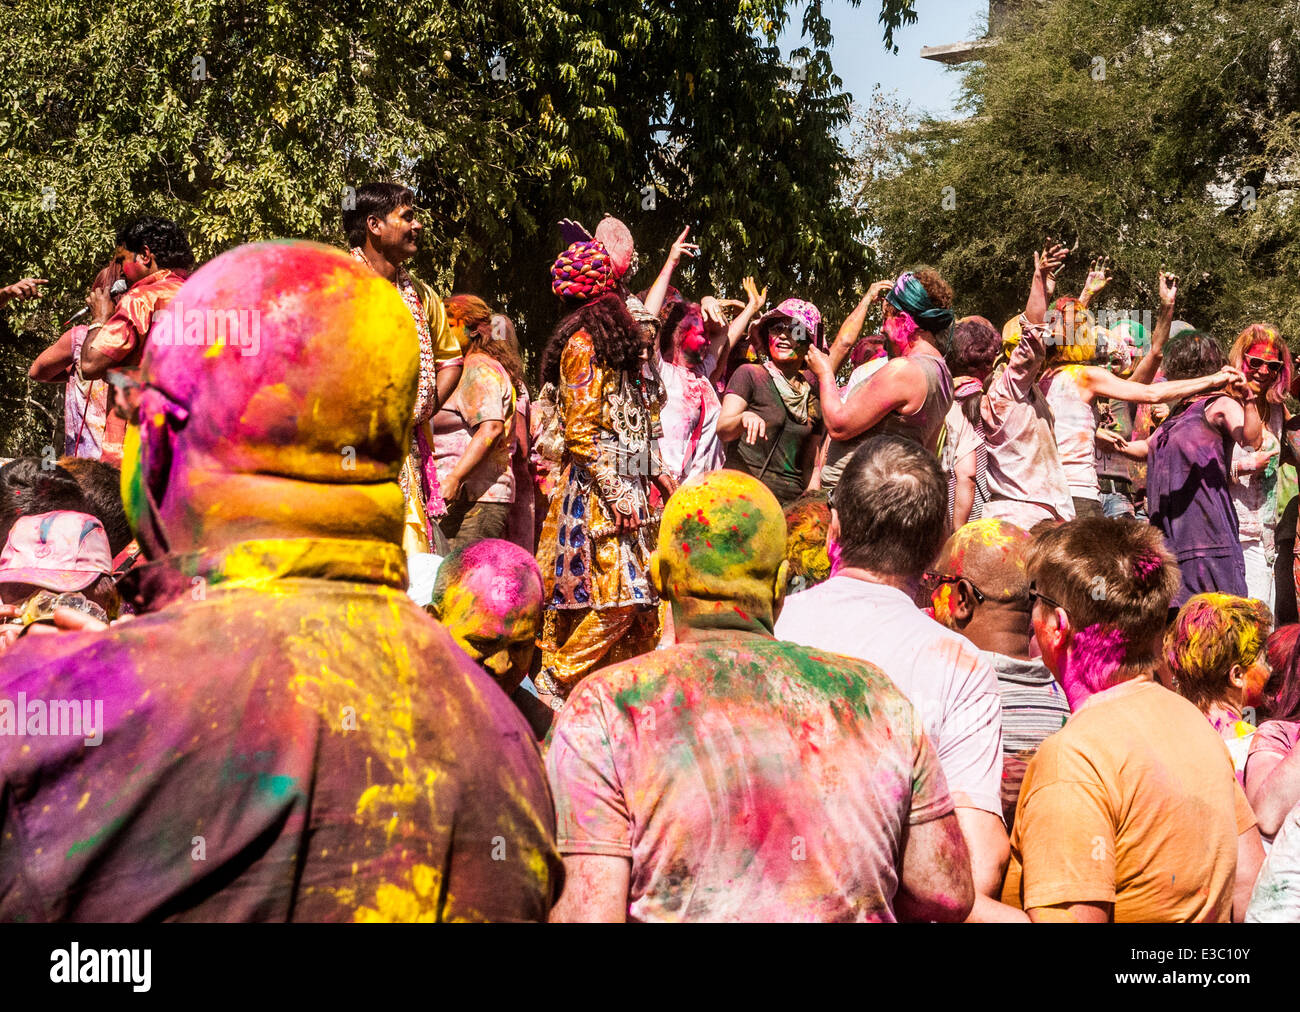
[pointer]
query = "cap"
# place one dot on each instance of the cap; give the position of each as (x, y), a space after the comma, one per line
(63, 551)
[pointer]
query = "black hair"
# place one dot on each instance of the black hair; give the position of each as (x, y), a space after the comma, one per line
(614, 335)
(165, 239)
(379, 199)
(28, 488)
(101, 484)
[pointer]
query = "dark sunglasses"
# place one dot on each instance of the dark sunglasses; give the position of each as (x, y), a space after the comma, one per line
(933, 581)
(1035, 597)
(1271, 364)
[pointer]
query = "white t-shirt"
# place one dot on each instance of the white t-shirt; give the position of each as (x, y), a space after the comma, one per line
(941, 673)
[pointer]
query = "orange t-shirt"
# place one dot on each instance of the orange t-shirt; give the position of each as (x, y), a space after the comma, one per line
(1134, 802)
(122, 336)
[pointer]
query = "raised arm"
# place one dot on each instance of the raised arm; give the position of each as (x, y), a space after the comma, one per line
(1146, 370)
(851, 329)
(654, 299)
(1237, 414)
(1104, 383)
(1046, 264)
(1097, 279)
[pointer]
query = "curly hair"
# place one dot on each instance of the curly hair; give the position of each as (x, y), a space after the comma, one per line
(975, 347)
(614, 335)
(1214, 632)
(940, 291)
(1193, 353)
(165, 239)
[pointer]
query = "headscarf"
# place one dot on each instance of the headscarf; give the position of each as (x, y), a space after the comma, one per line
(909, 296)
(583, 271)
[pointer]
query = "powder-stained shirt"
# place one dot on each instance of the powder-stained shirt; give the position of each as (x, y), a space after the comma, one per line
(689, 445)
(484, 394)
(1134, 803)
(286, 736)
(779, 466)
(746, 779)
(121, 338)
(1026, 481)
(1074, 421)
(1033, 707)
(941, 672)
(1276, 898)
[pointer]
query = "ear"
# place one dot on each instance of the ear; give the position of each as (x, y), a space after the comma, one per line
(147, 258)
(1237, 677)
(778, 588)
(963, 603)
(374, 224)
(833, 529)
(658, 577)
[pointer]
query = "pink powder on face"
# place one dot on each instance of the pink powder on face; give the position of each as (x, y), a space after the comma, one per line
(833, 553)
(899, 328)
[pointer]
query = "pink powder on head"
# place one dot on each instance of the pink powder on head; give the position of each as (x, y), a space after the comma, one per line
(1096, 653)
(1147, 565)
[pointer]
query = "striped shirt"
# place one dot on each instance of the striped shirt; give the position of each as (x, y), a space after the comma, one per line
(1033, 707)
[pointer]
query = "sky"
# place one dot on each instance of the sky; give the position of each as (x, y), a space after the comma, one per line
(861, 60)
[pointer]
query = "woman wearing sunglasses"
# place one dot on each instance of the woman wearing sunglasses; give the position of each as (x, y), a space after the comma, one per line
(1263, 356)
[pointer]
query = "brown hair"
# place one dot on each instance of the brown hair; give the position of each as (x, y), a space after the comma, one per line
(1253, 334)
(1113, 577)
(940, 291)
(1211, 634)
(472, 313)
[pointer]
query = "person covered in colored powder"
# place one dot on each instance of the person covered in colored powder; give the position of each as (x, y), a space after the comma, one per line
(1215, 652)
(887, 527)
(489, 597)
(1261, 354)
(474, 430)
(90, 430)
(1273, 764)
(910, 396)
(735, 777)
(595, 545)
(284, 734)
(962, 453)
(383, 233)
(979, 588)
(771, 416)
(1074, 390)
(1189, 460)
(1026, 481)
(1131, 812)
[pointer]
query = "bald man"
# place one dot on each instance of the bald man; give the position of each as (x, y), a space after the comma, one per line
(286, 735)
(734, 777)
(979, 588)
(488, 595)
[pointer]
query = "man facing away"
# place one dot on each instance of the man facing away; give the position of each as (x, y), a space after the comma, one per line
(735, 777)
(285, 735)
(1131, 812)
(887, 521)
(979, 588)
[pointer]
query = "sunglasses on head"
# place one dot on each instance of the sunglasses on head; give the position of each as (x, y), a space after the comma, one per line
(1271, 364)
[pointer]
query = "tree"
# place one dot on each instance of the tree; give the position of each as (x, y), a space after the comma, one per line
(245, 122)
(1160, 133)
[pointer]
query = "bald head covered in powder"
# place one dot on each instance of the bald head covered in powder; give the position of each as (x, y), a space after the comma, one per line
(306, 437)
(489, 596)
(721, 554)
(991, 555)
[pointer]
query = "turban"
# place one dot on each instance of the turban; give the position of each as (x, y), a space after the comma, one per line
(583, 271)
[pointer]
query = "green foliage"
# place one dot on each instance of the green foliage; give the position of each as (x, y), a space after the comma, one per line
(245, 122)
(1128, 127)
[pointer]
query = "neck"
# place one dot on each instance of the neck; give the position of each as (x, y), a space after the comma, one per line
(1077, 690)
(695, 620)
(920, 346)
(1223, 713)
(999, 629)
(379, 263)
(789, 367)
(906, 584)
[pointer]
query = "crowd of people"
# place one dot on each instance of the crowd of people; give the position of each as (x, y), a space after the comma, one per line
(709, 615)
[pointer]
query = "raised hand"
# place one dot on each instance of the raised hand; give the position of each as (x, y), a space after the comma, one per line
(683, 248)
(1098, 277)
(1168, 288)
(1050, 260)
(818, 361)
(756, 298)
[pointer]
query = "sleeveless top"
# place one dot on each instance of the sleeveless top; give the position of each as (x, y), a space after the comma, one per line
(1254, 496)
(1187, 485)
(1075, 428)
(921, 426)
